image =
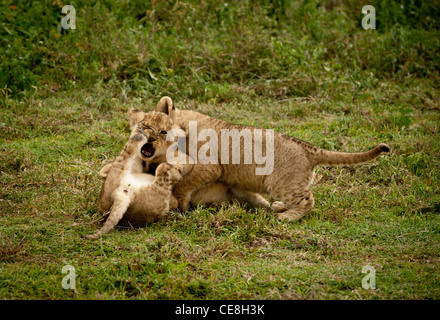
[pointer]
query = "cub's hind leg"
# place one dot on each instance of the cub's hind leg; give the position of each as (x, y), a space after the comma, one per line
(296, 198)
(256, 200)
(120, 206)
(298, 205)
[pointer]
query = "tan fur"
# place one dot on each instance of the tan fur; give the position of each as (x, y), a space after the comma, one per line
(294, 164)
(204, 193)
(131, 196)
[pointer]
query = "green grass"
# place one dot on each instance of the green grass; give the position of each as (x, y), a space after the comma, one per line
(306, 69)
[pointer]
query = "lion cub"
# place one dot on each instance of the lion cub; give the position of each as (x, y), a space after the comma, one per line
(158, 126)
(294, 161)
(132, 195)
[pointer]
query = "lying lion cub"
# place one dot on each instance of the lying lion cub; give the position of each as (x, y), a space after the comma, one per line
(294, 162)
(133, 195)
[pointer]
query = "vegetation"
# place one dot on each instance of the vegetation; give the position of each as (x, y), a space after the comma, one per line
(304, 68)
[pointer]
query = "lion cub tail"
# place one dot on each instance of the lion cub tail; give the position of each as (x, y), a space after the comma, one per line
(331, 158)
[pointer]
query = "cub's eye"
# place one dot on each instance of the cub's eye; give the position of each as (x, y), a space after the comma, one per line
(163, 132)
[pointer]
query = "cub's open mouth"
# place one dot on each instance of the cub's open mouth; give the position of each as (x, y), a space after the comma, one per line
(147, 150)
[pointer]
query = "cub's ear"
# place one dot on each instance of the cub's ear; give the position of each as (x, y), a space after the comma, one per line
(166, 106)
(135, 116)
(104, 171)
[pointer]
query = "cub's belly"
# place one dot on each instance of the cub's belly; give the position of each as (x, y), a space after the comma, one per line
(138, 180)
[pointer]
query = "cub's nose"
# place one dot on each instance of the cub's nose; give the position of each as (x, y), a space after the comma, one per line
(151, 139)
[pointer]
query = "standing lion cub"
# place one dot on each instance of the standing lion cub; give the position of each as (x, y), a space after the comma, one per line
(294, 161)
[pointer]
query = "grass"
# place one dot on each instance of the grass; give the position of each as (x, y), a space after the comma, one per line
(305, 68)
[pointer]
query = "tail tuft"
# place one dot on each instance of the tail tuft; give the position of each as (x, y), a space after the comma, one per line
(384, 147)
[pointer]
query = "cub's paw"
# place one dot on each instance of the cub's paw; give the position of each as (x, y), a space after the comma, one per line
(184, 169)
(173, 175)
(291, 215)
(179, 167)
(162, 168)
(105, 170)
(278, 206)
(284, 216)
(92, 236)
(170, 173)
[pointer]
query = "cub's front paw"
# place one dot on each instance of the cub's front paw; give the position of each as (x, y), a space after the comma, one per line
(170, 173)
(173, 175)
(162, 169)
